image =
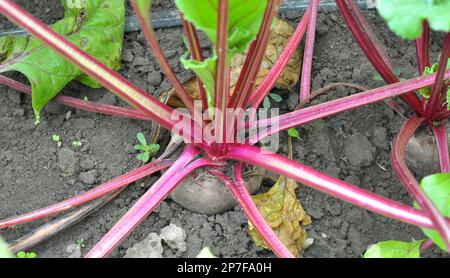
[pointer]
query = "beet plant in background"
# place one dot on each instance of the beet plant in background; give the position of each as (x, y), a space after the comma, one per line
(234, 27)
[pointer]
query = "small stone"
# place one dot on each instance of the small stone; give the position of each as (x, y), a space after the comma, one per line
(359, 151)
(356, 242)
(175, 237)
(89, 177)
(128, 55)
(68, 161)
(140, 61)
(164, 211)
(170, 53)
(87, 164)
(380, 138)
(68, 115)
(154, 78)
(335, 209)
(315, 212)
(151, 247)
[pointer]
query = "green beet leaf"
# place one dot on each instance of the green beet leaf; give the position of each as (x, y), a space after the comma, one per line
(244, 21)
(394, 249)
(97, 27)
(405, 17)
(437, 188)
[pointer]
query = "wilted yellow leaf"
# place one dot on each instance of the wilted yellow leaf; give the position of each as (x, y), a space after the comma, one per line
(284, 214)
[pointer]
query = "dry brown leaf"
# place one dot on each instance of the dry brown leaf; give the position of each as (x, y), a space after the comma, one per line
(284, 214)
(280, 34)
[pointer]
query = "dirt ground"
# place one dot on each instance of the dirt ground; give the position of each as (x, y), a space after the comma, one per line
(354, 146)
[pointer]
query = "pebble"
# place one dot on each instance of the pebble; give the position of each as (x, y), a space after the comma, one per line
(68, 161)
(175, 237)
(128, 55)
(151, 247)
(87, 164)
(359, 151)
(89, 177)
(315, 212)
(154, 78)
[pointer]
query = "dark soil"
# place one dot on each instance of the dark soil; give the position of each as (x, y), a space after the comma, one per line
(354, 146)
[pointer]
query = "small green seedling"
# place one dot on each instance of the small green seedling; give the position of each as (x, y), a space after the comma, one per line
(76, 144)
(80, 242)
(57, 139)
(26, 255)
(293, 132)
(274, 97)
(147, 151)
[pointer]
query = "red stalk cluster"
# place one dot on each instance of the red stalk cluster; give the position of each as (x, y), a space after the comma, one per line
(215, 156)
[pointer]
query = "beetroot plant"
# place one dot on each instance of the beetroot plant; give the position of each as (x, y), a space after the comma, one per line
(218, 134)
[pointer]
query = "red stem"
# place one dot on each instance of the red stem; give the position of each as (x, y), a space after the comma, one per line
(409, 181)
(89, 65)
(423, 48)
(263, 90)
(222, 78)
(90, 195)
(197, 54)
(442, 115)
(369, 33)
(440, 133)
(179, 170)
(330, 185)
(90, 106)
(146, 24)
(305, 82)
(322, 110)
(245, 201)
(253, 61)
(434, 104)
(252, 65)
(378, 60)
